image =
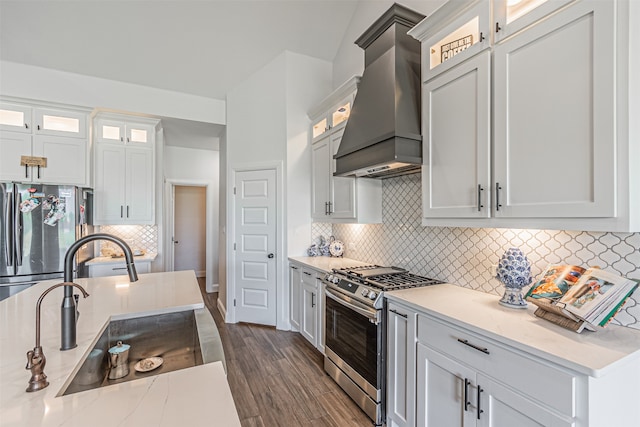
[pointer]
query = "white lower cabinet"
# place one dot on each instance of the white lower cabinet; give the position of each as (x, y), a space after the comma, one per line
(307, 304)
(443, 374)
(103, 270)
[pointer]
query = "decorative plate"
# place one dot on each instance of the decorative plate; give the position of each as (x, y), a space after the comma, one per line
(336, 248)
(148, 364)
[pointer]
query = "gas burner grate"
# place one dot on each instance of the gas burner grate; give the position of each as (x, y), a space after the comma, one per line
(391, 282)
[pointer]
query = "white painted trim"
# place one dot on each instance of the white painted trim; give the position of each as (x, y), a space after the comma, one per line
(222, 310)
(170, 186)
(282, 285)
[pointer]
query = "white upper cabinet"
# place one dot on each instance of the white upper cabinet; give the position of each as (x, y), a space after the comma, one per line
(124, 177)
(544, 103)
(338, 199)
(44, 144)
(511, 16)
(118, 131)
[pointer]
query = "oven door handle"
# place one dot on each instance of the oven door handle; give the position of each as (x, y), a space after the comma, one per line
(359, 308)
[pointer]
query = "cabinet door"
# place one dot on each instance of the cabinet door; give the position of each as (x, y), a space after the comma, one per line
(112, 131)
(295, 283)
(109, 183)
(343, 189)
(66, 160)
(320, 180)
(501, 406)
(555, 114)
(139, 134)
(308, 317)
(456, 145)
(512, 16)
(400, 367)
(15, 118)
(69, 124)
(445, 391)
(12, 147)
(139, 186)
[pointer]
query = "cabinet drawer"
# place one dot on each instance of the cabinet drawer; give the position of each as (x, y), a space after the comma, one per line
(547, 385)
(102, 270)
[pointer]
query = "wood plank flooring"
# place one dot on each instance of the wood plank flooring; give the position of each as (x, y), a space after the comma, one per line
(277, 377)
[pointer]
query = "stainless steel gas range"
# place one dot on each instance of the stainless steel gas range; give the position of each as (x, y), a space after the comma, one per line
(355, 330)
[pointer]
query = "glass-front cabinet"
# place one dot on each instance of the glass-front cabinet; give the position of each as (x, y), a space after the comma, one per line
(335, 117)
(115, 131)
(511, 16)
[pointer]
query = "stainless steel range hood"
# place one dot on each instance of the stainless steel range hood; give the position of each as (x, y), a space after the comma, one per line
(382, 137)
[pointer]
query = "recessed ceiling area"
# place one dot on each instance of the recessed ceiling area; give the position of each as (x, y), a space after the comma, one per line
(190, 134)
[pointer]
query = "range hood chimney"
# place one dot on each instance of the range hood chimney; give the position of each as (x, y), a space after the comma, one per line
(382, 137)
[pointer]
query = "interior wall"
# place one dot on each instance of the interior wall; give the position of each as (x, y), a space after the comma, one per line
(188, 166)
(222, 227)
(267, 123)
(44, 84)
(190, 229)
(349, 60)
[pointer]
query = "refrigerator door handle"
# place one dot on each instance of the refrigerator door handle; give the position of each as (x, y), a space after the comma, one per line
(17, 227)
(8, 205)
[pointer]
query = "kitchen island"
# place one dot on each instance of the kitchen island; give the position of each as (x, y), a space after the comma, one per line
(193, 396)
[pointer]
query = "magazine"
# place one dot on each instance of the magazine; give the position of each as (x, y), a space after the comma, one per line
(590, 295)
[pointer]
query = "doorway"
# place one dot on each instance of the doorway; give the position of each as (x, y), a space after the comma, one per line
(190, 229)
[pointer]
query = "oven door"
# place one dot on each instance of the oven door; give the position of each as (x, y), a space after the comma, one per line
(353, 336)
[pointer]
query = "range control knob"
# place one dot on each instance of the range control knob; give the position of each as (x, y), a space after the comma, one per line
(336, 279)
(372, 295)
(330, 278)
(365, 293)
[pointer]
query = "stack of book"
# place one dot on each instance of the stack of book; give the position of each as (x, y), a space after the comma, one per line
(579, 298)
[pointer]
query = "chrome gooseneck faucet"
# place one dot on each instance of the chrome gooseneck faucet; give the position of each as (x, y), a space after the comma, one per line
(35, 357)
(69, 313)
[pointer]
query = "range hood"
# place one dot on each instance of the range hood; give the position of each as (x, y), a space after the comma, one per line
(382, 136)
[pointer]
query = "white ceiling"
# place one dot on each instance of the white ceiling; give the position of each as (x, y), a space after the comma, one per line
(201, 47)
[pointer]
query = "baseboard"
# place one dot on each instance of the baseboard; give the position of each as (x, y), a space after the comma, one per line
(222, 310)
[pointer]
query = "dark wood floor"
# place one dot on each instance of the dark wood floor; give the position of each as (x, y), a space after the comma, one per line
(277, 377)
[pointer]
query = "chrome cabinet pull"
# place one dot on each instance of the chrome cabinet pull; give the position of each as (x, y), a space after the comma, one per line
(26, 171)
(294, 267)
(121, 211)
(466, 394)
(307, 273)
(313, 300)
(498, 188)
(480, 205)
(466, 342)
(38, 171)
(479, 411)
(127, 211)
(398, 313)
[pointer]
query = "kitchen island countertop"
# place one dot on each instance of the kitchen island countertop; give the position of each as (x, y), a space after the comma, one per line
(192, 396)
(590, 353)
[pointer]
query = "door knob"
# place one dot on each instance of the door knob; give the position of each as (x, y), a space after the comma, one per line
(270, 256)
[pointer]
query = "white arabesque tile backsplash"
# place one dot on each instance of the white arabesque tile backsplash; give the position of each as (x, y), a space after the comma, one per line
(467, 256)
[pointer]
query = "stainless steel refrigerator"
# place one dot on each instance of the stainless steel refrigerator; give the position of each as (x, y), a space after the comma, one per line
(39, 223)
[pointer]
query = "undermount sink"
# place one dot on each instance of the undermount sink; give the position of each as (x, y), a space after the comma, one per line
(176, 337)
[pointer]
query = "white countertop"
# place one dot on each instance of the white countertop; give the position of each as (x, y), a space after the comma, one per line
(590, 353)
(120, 260)
(326, 263)
(193, 396)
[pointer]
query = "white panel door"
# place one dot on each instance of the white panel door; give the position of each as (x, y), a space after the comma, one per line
(255, 243)
(456, 145)
(554, 117)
